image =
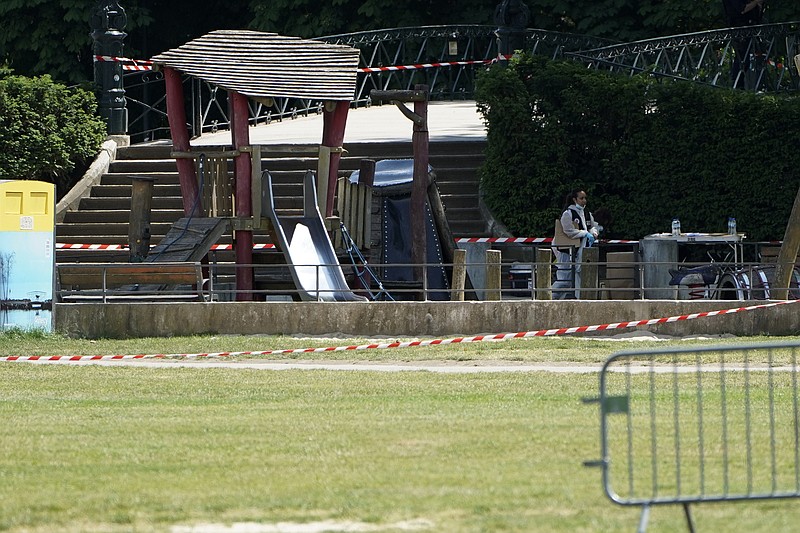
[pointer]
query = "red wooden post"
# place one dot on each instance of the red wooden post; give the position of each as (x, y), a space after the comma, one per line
(243, 241)
(419, 184)
(366, 172)
(419, 187)
(176, 115)
(333, 125)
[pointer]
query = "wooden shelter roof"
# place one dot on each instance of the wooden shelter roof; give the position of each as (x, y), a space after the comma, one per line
(258, 64)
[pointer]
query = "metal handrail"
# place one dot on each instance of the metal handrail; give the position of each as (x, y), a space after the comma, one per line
(755, 58)
(274, 279)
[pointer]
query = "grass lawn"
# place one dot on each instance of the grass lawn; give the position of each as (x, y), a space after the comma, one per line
(92, 448)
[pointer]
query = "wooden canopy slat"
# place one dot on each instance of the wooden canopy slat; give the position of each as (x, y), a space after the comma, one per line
(259, 64)
(274, 41)
(214, 59)
(274, 75)
(263, 47)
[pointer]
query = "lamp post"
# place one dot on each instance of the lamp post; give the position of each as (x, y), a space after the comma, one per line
(511, 17)
(107, 24)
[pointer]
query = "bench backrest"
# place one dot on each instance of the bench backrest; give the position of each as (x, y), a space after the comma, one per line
(115, 275)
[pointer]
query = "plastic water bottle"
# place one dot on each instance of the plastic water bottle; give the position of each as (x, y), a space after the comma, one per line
(676, 227)
(731, 226)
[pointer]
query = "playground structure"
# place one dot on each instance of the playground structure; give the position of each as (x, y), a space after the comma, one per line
(307, 247)
(391, 185)
(275, 66)
(242, 205)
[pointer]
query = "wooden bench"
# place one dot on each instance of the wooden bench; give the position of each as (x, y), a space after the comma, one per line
(769, 254)
(621, 276)
(131, 281)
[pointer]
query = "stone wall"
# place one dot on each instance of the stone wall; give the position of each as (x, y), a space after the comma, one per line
(414, 319)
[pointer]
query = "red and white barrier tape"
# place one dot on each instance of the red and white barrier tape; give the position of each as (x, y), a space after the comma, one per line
(524, 240)
(407, 344)
(141, 65)
(127, 63)
(255, 247)
(420, 66)
(144, 65)
(75, 246)
(503, 239)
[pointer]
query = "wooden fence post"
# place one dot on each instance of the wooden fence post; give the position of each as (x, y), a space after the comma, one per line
(459, 274)
(544, 273)
(493, 277)
(589, 273)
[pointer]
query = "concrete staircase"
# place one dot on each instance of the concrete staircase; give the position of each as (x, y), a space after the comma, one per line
(102, 218)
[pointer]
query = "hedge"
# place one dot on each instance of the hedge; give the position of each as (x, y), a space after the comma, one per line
(47, 131)
(645, 148)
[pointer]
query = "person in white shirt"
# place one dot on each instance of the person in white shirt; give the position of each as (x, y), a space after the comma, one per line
(577, 223)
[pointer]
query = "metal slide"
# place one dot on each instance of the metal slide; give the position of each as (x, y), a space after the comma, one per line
(307, 248)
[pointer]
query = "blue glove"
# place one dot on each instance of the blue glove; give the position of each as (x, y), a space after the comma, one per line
(589, 240)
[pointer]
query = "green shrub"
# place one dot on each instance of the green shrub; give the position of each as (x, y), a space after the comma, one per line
(645, 148)
(46, 130)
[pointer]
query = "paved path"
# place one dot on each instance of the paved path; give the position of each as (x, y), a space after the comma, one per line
(447, 121)
(444, 367)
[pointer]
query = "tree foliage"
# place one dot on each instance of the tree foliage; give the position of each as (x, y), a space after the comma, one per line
(50, 37)
(647, 150)
(46, 130)
(307, 18)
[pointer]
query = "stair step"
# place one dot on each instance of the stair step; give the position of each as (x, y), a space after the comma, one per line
(143, 166)
(90, 237)
(111, 228)
(105, 203)
(457, 215)
(458, 175)
(125, 190)
(467, 228)
(460, 202)
(160, 150)
(457, 190)
(92, 256)
(117, 215)
(159, 178)
(465, 193)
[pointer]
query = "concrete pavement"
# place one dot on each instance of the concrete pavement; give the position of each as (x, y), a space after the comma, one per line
(447, 121)
(440, 367)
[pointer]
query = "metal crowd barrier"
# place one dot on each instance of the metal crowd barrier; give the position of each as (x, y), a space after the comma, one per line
(688, 426)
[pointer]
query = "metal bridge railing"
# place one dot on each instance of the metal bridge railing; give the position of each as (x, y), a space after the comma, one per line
(700, 425)
(447, 59)
(755, 58)
(455, 53)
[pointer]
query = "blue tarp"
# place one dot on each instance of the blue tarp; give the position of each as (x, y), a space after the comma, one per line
(391, 172)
